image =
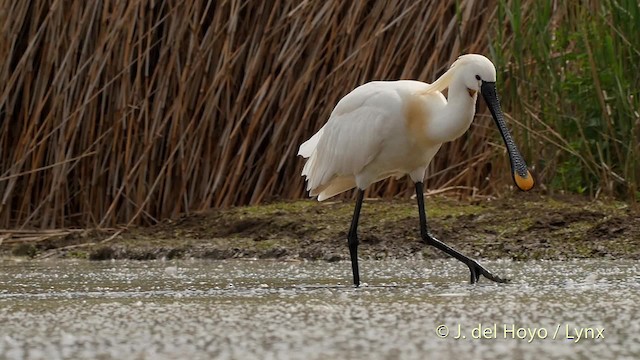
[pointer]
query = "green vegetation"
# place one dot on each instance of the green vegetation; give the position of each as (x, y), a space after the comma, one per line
(572, 76)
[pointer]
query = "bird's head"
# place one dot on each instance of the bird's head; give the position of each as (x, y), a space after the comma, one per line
(479, 74)
(473, 70)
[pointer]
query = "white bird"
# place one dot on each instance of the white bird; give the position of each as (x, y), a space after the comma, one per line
(393, 128)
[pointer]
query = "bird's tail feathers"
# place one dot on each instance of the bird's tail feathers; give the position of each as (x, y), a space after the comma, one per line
(309, 146)
(334, 187)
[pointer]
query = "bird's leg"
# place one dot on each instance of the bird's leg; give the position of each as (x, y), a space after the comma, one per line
(353, 238)
(474, 267)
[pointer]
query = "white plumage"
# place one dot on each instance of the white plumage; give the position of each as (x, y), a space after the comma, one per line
(387, 128)
(362, 127)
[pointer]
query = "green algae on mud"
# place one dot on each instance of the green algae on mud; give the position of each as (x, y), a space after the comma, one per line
(519, 227)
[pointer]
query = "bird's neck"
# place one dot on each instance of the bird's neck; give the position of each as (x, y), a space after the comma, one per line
(457, 115)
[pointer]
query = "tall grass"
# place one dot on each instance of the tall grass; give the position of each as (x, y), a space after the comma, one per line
(127, 112)
(573, 71)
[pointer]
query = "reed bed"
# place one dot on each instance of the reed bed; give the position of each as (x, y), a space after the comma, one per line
(129, 112)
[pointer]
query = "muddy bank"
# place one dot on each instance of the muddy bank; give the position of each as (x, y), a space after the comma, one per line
(518, 227)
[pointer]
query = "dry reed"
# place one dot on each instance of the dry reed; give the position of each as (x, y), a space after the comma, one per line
(127, 112)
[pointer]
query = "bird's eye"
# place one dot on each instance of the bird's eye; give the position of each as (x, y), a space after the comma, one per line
(477, 77)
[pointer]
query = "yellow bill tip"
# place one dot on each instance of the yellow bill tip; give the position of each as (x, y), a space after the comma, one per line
(524, 183)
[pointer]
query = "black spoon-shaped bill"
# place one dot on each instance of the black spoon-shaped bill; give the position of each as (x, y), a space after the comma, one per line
(521, 175)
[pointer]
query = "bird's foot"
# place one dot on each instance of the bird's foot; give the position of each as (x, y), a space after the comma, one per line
(476, 270)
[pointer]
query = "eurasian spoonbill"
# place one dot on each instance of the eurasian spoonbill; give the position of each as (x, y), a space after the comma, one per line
(393, 128)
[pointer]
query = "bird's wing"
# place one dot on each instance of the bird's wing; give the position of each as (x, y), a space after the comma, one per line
(350, 140)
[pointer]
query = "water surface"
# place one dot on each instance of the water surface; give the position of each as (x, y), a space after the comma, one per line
(307, 310)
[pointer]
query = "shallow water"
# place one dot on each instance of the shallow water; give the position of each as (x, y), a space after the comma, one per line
(306, 310)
